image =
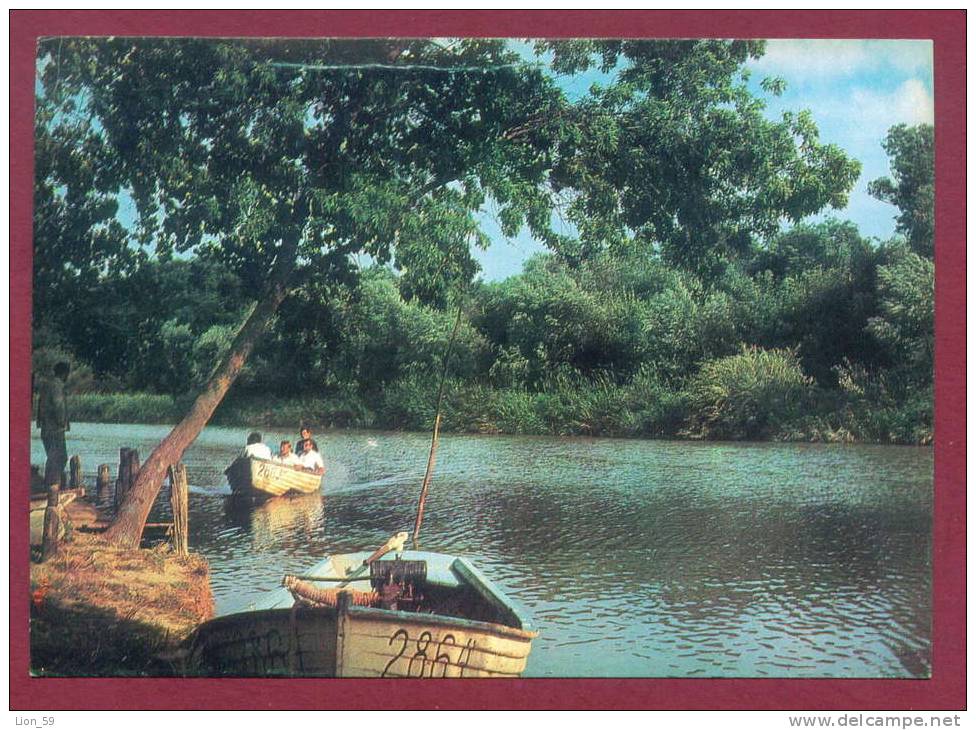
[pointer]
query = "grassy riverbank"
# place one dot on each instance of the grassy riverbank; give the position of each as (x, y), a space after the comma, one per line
(98, 610)
(784, 409)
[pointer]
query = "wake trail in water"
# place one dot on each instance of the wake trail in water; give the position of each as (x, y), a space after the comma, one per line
(222, 490)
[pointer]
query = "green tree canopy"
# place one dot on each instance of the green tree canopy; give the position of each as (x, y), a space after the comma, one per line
(911, 187)
(248, 149)
(675, 153)
(76, 233)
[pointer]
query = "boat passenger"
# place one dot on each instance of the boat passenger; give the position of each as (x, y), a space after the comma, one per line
(286, 455)
(311, 458)
(255, 448)
(305, 434)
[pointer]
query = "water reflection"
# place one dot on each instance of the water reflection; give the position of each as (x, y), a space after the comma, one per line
(634, 558)
(289, 518)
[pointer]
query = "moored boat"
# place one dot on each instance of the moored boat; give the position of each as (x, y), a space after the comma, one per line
(260, 478)
(421, 614)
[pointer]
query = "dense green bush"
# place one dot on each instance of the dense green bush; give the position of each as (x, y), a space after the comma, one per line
(905, 324)
(81, 379)
(751, 395)
(660, 410)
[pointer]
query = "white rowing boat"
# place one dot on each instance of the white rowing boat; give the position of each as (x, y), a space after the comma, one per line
(261, 478)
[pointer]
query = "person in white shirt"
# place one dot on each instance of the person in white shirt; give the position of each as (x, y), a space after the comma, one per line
(255, 448)
(311, 458)
(287, 456)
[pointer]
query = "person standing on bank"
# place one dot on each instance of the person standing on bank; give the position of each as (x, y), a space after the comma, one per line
(52, 419)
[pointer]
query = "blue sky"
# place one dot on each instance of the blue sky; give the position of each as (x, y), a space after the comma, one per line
(856, 90)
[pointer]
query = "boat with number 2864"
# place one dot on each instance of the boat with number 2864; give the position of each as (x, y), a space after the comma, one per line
(410, 614)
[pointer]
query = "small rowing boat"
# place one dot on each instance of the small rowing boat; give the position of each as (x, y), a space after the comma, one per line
(415, 614)
(259, 478)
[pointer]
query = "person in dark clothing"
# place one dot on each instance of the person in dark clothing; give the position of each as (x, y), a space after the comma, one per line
(52, 419)
(305, 434)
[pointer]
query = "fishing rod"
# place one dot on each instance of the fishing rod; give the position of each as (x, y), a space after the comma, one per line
(432, 456)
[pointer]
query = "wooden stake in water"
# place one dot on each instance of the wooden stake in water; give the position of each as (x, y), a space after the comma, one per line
(75, 466)
(128, 471)
(432, 456)
(179, 502)
(103, 482)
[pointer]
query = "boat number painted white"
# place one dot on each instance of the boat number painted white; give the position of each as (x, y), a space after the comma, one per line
(429, 653)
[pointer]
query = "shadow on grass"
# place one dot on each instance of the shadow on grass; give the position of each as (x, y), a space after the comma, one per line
(80, 641)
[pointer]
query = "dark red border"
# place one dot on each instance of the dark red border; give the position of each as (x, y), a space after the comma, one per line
(946, 689)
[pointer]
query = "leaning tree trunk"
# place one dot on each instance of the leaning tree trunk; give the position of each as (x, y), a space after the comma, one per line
(126, 529)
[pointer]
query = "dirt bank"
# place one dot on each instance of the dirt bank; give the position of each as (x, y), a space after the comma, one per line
(97, 610)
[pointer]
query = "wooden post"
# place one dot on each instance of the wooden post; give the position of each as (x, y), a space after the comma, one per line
(75, 467)
(101, 484)
(120, 479)
(179, 500)
(128, 471)
(52, 524)
(343, 601)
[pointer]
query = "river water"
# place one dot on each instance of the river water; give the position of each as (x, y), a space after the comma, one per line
(633, 558)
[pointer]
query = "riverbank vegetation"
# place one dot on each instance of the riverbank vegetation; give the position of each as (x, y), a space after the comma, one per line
(822, 335)
(690, 295)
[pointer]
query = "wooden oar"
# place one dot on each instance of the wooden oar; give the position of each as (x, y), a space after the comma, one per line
(394, 543)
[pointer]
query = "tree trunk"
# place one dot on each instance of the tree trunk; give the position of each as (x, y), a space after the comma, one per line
(127, 528)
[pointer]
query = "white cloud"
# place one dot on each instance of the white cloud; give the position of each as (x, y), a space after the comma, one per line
(910, 103)
(806, 59)
(862, 114)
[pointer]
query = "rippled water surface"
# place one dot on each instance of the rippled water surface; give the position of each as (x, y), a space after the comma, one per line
(633, 558)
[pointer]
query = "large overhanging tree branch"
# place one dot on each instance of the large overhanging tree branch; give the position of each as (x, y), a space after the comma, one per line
(274, 157)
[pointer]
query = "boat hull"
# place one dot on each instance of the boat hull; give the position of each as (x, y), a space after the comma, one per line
(360, 642)
(272, 643)
(258, 478)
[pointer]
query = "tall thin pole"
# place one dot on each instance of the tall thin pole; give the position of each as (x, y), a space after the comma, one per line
(432, 456)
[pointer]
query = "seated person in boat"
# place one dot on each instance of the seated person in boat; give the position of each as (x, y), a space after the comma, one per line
(310, 457)
(306, 435)
(286, 455)
(256, 448)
